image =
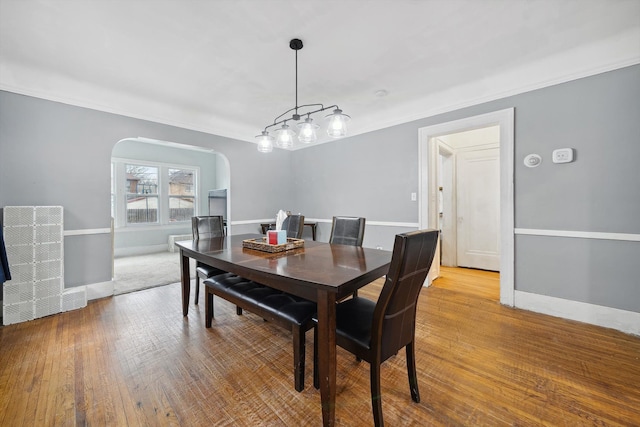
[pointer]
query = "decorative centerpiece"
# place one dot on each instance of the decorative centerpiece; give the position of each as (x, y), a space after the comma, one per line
(261, 244)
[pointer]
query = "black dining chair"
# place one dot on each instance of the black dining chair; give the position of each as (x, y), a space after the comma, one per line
(347, 230)
(205, 227)
(294, 225)
(375, 331)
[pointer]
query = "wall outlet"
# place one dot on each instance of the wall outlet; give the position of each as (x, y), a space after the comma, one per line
(414, 197)
(563, 155)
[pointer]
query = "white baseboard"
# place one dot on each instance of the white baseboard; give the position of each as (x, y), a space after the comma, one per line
(621, 320)
(99, 290)
(140, 250)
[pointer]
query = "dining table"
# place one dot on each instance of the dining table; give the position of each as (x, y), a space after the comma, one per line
(318, 271)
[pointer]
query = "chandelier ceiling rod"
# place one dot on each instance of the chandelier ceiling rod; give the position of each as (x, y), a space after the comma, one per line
(337, 125)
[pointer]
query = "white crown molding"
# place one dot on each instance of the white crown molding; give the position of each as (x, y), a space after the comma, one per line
(584, 61)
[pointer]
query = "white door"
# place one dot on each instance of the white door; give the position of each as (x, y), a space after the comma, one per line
(478, 209)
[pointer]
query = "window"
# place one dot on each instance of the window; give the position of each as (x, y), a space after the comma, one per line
(181, 196)
(146, 193)
(141, 188)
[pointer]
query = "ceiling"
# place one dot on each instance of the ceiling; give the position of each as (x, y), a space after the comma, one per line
(225, 66)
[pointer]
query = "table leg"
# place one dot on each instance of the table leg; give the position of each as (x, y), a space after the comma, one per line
(327, 355)
(185, 280)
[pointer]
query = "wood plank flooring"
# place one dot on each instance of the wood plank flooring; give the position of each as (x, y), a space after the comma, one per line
(133, 360)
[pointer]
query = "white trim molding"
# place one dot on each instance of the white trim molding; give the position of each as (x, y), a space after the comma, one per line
(427, 184)
(329, 221)
(579, 234)
(621, 320)
(87, 231)
(99, 290)
(253, 221)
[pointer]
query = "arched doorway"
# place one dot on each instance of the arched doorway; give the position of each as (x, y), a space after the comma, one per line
(156, 187)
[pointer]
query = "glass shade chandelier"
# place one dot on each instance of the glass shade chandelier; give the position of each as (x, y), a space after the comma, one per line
(307, 129)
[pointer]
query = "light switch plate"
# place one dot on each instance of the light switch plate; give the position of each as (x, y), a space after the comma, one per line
(562, 155)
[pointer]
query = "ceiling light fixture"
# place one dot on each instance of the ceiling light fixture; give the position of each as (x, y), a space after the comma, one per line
(337, 127)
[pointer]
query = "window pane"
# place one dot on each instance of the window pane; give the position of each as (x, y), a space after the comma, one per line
(142, 194)
(142, 179)
(141, 209)
(181, 195)
(181, 208)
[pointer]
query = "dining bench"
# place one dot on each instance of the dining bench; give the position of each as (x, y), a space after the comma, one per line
(283, 309)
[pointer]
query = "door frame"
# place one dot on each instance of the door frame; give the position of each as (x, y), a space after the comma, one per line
(428, 184)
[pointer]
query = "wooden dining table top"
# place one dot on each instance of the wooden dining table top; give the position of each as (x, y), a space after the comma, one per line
(339, 269)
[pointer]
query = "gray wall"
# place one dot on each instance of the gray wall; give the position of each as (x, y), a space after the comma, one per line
(52, 153)
(373, 174)
(57, 154)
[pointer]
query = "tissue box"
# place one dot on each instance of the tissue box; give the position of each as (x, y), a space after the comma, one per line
(276, 237)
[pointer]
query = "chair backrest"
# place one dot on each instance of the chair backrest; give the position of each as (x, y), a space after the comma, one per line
(294, 225)
(205, 227)
(347, 230)
(395, 313)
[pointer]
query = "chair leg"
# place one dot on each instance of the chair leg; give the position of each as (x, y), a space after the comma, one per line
(238, 310)
(197, 289)
(316, 374)
(208, 312)
(413, 374)
(376, 397)
(298, 357)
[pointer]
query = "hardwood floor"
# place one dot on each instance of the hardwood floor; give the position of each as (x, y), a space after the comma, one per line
(133, 360)
(480, 283)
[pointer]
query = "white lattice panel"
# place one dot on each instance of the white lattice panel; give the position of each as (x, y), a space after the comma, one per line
(19, 235)
(48, 215)
(21, 273)
(47, 306)
(20, 254)
(74, 298)
(34, 242)
(48, 252)
(48, 233)
(14, 216)
(16, 313)
(48, 288)
(14, 293)
(48, 269)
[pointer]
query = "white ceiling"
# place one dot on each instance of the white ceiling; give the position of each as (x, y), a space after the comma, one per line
(225, 67)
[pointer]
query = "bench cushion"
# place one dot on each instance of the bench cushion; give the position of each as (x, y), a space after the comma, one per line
(277, 303)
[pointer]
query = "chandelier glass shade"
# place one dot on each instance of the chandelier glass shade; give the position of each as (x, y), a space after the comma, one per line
(307, 130)
(307, 133)
(337, 124)
(265, 142)
(284, 136)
